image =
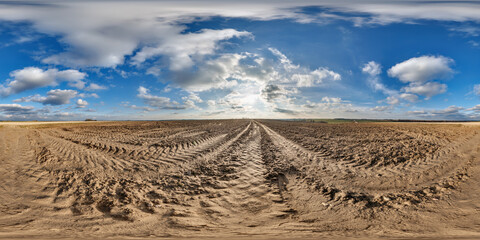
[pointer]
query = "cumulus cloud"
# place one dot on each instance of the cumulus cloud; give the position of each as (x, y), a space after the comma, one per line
(330, 104)
(191, 100)
(272, 92)
(372, 68)
(396, 98)
(214, 73)
(14, 108)
(393, 100)
(157, 102)
(286, 71)
(228, 70)
(19, 112)
(256, 82)
(315, 77)
(428, 89)
(54, 97)
(328, 107)
(409, 97)
(81, 103)
(422, 69)
(33, 77)
(194, 97)
(420, 73)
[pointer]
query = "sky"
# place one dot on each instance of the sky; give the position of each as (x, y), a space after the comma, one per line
(155, 60)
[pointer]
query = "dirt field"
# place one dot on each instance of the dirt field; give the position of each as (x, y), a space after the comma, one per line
(239, 179)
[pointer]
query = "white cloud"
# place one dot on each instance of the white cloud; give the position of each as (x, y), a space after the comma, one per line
(88, 95)
(397, 97)
(326, 105)
(253, 81)
(242, 100)
(422, 69)
(157, 102)
(476, 89)
(211, 103)
(428, 89)
(476, 108)
(33, 77)
(102, 33)
(332, 99)
(372, 68)
(229, 70)
(81, 103)
(393, 100)
(410, 10)
(449, 113)
(468, 30)
(272, 92)
(193, 97)
(409, 97)
(14, 108)
(215, 73)
(183, 48)
(95, 87)
(315, 77)
(380, 108)
(54, 97)
(287, 72)
(191, 100)
(419, 73)
(286, 63)
(93, 36)
(18, 112)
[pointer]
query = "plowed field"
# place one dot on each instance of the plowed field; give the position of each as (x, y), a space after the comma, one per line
(239, 179)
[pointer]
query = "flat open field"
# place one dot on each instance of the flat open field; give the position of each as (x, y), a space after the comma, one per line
(239, 179)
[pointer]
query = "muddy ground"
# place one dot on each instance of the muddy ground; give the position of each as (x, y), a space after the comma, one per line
(239, 179)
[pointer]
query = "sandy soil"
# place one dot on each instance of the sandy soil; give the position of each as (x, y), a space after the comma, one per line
(42, 123)
(239, 179)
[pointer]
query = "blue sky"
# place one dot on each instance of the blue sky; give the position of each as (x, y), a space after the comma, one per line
(121, 60)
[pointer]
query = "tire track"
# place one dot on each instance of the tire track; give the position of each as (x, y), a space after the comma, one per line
(379, 186)
(244, 198)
